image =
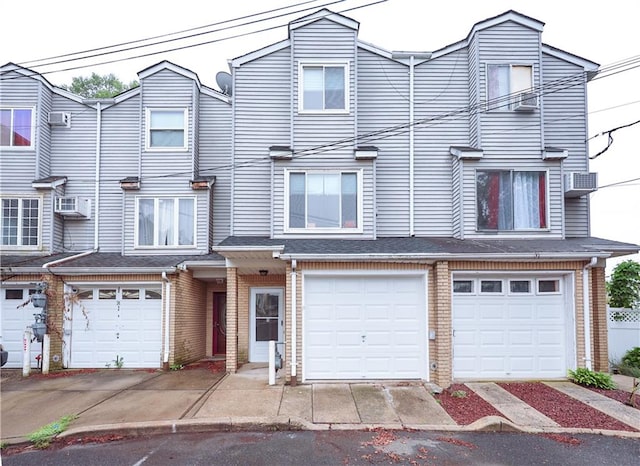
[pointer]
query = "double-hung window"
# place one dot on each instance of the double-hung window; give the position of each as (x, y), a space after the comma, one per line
(16, 127)
(510, 86)
(166, 222)
(511, 200)
(323, 88)
(167, 129)
(20, 222)
(324, 201)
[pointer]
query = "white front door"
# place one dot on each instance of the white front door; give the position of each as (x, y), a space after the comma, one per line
(266, 321)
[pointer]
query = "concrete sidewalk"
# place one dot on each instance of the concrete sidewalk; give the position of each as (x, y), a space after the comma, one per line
(137, 401)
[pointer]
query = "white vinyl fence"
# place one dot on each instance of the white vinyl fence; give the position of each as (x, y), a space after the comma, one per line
(624, 331)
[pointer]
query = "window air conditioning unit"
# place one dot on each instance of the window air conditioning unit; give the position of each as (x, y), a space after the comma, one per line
(525, 102)
(577, 184)
(60, 119)
(73, 207)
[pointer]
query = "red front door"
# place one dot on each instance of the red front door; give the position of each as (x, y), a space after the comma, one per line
(219, 323)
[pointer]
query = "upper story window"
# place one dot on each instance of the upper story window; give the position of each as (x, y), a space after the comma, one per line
(509, 87)
(166, 222)
(16, 127)
(323, 88)
(20, 222)
(511, 200)
(167, 129)
(324, 201)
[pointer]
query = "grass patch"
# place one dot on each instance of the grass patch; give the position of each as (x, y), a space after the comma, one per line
(42, 437)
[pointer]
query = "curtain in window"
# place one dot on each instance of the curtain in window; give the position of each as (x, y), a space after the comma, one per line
(323, 201)
(167, 128)
(349, 200)
(145, 222)
(313, 87)
(529, 206)
(166, 233)
(22, 127)
(497, 85)
(185, 224)
(334, 87)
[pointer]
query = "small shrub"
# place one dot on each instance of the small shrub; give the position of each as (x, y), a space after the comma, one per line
(632, 358)
(584, 376)
(176, 367)
(41, 438)
(459, 394)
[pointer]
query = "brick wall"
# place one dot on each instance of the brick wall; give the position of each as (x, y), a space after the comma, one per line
(188, 319)
(599, 324)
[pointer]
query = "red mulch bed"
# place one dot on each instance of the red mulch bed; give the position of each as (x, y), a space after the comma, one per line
(465, 410)
(566, 411)
(58, 374)
(619, 395)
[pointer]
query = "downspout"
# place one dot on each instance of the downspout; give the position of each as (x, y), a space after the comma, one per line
(411, 148)
(294, 324)
(167, 310)
(96, 221)
(586, 312)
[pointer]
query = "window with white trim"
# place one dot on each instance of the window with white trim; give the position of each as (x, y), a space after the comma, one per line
(511, 200)
(16, 127)
(324, 201)
(323, 87)
(505, 83)
(166, 222)
(20, 222)
(166, 129)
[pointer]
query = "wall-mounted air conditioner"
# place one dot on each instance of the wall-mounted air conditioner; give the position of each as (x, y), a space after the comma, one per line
(577, 184)
(60, 119)
(73, 207)
(525, 102)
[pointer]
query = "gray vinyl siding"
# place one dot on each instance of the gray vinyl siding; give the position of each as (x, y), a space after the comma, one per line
(441, 87)
(505, 132)
(565, 127)
(324, 42)
(383, 102)
(475, 103)
(554, 192)
(262, 100)
(456, 196)
(215, 160)
(120, 155)
(80, 168)
(324, 164)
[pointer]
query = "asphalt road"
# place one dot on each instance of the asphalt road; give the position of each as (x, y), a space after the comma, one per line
(341, 448)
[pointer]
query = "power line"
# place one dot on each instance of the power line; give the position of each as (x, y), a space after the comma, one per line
(609, 133)
(617, 183)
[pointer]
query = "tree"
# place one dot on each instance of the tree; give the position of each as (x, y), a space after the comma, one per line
(98, 87)
(624, 287)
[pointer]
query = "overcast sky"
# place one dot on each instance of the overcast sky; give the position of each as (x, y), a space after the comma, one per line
(604, 32)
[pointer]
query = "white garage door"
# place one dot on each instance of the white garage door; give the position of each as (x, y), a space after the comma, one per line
(110, 322)
(510, 327)
(14, 322)
(364, 327)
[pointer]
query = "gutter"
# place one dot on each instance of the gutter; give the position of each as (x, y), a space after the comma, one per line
(111, 270)
(447, 256)
(586, 311)
(96, 225)
(294, 324)
(65, 259)
(167, 316)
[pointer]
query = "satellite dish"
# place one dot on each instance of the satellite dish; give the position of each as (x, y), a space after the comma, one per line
(224, 81)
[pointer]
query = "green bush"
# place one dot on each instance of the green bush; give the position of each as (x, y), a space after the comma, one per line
(632, 358)
(42, 437)
(584, 376)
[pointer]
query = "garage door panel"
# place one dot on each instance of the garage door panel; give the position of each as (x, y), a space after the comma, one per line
(14, 320)
(376, 322)
(510, 335)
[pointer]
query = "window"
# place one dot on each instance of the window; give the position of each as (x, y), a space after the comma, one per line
(13, 294)
(166, 129)
(491, 286)
(16, 127)
(166, 222)
(463, 286)
(324, 201)
(548, 286)
(507, 80)
(511, 200)
(20, 222)
(520, 286)
(323, 88)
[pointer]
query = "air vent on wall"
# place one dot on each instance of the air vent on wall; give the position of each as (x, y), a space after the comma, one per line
(60, 119)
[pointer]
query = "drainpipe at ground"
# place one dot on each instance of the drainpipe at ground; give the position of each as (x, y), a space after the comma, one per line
(167, 311)
(586, 311)
(294, 324)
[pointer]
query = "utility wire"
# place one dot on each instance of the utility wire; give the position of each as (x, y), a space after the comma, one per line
(609, 134)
